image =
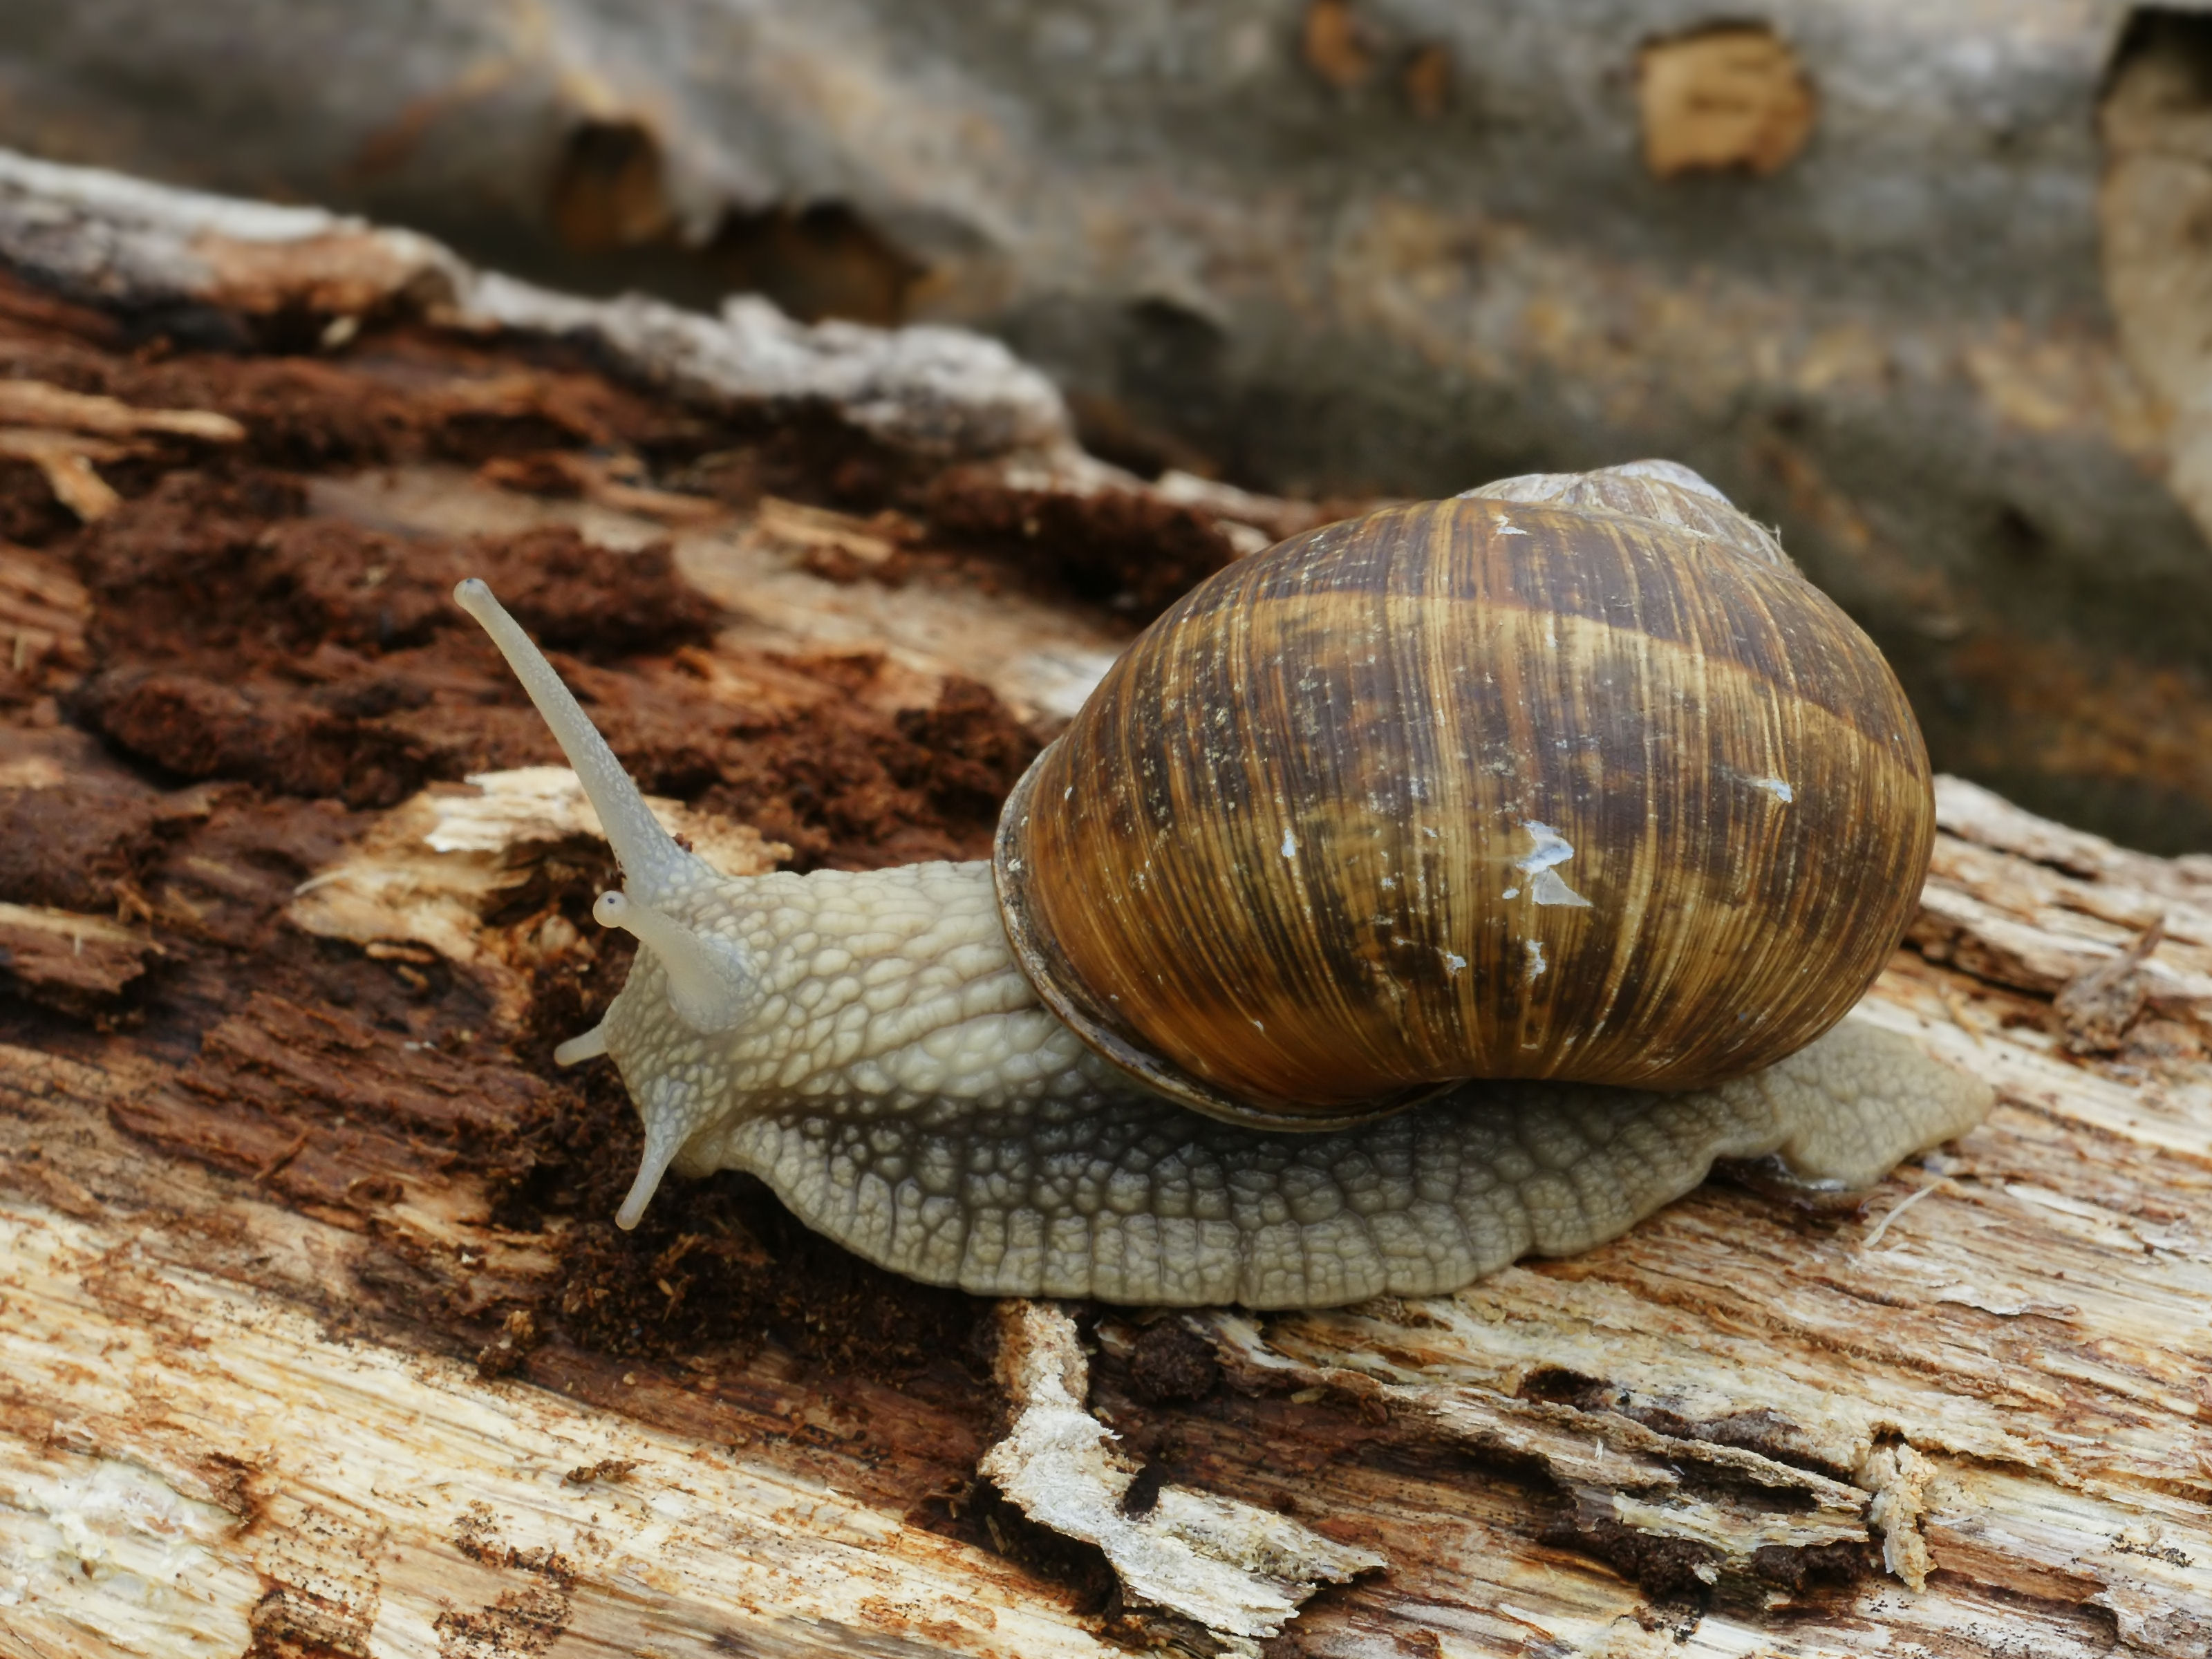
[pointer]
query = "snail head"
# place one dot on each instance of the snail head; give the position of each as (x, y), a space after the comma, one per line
(675, 904)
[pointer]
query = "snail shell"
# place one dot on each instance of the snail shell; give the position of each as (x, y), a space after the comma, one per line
(1570, 777)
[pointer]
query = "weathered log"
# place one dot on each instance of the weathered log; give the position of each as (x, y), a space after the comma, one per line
(1968, 1414)
(315, 1338)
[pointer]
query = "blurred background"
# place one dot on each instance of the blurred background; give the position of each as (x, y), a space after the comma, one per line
(1929, 287)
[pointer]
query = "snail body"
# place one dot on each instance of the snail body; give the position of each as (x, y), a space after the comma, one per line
(1571, 786)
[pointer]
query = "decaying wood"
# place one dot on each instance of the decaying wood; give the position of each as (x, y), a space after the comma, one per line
(424, 881)
(63, 433)
(298, 1356)
(939, 394)
(1235, 1571)
(228, 1478)
(1967, 1417)
(941, 391)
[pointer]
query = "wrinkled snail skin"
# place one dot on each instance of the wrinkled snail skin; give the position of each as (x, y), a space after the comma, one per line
(873, 1047)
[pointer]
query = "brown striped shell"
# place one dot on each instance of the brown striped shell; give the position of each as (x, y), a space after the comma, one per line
(1570, 777)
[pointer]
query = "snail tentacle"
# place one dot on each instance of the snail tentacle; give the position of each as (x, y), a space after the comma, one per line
(671, 1116)
(710, 984)
(651, 860)
(584, 1045)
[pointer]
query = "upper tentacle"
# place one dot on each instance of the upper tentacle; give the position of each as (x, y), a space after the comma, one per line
(654, 865)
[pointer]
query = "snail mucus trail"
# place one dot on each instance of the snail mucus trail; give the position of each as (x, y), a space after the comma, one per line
(875, 1045)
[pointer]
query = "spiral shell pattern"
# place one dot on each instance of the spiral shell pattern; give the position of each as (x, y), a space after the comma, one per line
(1482, 787)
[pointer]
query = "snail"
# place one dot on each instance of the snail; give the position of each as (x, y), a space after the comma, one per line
(1570, 785)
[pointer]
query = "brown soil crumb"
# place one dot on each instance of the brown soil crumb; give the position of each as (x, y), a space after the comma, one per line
(1172, 1362)
(77, 847)
(237, 639)
(847, 788)
(1669, 1569)
(607, 1469)
(1133, 552)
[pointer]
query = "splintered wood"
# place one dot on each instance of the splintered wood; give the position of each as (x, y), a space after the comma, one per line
(63, 433)
(435, 868)
(230, 1478)
(42, 616)
(1236, 1571)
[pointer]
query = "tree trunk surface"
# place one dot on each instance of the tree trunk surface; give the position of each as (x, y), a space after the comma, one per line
(315, 1338)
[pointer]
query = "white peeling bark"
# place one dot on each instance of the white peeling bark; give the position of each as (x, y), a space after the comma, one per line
(940, 391)
(1238, 1571)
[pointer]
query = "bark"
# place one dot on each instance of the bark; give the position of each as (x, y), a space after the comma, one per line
(313, 1338)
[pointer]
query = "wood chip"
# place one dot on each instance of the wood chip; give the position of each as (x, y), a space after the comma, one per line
(1728, 97)
(35, 404)
(65, 459)
(1239, 1571)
